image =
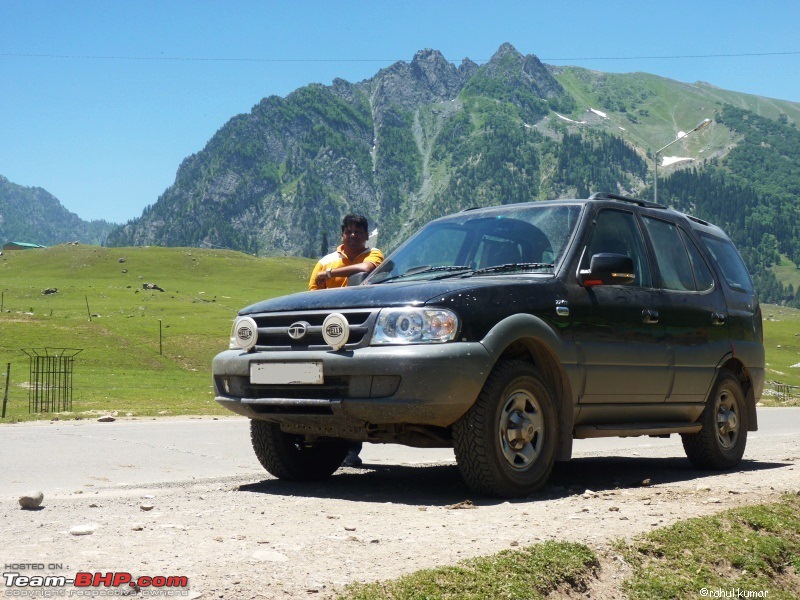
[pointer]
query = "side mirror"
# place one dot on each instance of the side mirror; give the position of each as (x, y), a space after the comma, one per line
(608, 269)
(356, 279)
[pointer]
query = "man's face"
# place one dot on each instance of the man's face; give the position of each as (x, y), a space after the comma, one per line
(354, 238)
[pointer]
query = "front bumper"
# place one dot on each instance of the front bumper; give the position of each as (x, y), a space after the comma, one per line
(430, 384)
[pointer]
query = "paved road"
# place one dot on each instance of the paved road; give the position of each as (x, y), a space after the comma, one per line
(70, 455)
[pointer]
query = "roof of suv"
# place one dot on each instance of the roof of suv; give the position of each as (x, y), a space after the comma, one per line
(694, 222)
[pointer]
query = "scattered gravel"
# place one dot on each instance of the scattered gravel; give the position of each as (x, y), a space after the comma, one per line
(246, 537)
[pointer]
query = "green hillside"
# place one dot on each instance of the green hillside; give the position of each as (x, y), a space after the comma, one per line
(426, 138)
(31, 214)
(787, 272)
(120, 368)
(648, 110)
(745, 176)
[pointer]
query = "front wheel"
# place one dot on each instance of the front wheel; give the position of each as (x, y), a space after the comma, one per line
(288, 456)
(505, 444)
(720, 443)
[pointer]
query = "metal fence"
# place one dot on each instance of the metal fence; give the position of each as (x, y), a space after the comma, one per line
(50, 384)
(786, 393)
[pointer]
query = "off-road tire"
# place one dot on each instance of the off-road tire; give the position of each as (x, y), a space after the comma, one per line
(505, 444)
(720, 444)
(286, 456)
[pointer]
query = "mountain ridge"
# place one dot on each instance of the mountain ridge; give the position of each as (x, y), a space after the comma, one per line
(425, 137)
(347, 146)
(34, 215)
(362, 174)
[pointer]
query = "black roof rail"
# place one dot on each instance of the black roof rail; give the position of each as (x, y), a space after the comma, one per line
(607, 196)
(698, 220)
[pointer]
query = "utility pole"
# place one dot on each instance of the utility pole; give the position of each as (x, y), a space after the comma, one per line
(698, 127)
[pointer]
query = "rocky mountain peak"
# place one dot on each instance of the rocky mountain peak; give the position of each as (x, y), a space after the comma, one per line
(428, 55)
(429, 77)
(467, 69)
(541, 78)
(506, 52)
(433, 71)
(508, 64)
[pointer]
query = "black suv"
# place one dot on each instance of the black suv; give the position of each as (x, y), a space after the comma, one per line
(506, 333)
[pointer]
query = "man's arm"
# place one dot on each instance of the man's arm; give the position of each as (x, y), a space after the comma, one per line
(369, 263)
(315, 283)
(322, 276)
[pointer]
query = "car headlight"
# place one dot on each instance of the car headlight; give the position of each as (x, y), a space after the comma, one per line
(415, 326)
(244, 334)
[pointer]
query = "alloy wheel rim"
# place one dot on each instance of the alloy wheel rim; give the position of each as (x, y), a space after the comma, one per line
(521, 430)
(727, 418)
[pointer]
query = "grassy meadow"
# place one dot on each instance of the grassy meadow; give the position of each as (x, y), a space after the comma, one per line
(782, 345)
(123, 366)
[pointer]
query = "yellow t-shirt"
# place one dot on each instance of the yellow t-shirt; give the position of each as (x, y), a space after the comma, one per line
(337, 259)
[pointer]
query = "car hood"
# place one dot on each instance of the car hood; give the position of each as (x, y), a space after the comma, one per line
(382, 295)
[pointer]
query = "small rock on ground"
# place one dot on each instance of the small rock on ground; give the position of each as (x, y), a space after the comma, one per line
(31, 500)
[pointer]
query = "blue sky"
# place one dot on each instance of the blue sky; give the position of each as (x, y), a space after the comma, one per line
(100, 101)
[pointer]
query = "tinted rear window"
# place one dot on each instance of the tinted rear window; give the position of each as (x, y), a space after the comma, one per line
(730, 263)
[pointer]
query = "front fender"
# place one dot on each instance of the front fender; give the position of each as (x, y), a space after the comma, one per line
(554, 353)
(524, 325)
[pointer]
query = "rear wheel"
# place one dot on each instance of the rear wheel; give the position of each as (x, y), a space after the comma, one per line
(505, 444)
(720, 443)
(288, 456)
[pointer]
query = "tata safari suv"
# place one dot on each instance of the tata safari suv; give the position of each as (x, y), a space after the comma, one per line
(505, 333)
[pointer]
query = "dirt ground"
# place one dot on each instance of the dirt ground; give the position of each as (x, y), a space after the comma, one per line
(243, 538)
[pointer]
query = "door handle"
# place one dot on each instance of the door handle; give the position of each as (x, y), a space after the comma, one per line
(718, 318)
(649, 316)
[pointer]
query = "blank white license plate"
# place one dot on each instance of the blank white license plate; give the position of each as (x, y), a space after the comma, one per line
(286, 373)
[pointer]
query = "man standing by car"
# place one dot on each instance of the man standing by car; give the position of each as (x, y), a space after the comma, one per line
(332, 270)
(351, 257)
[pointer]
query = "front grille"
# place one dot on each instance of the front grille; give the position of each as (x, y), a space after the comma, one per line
(273, 329)
(334, 388)
(277, 408)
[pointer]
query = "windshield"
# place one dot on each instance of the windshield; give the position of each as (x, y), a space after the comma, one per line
(521, 238)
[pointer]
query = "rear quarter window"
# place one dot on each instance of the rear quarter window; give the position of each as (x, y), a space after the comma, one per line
(729, 262)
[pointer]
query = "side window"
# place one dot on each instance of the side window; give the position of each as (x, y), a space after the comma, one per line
(671, 257)
(702, 274)
(730, 263)
(616, 232)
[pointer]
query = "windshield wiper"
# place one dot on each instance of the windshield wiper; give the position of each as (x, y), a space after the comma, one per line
(426, 269)
(508, 267)
(454, 270)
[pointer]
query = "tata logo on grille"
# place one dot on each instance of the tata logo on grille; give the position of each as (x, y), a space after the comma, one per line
(297, 331)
